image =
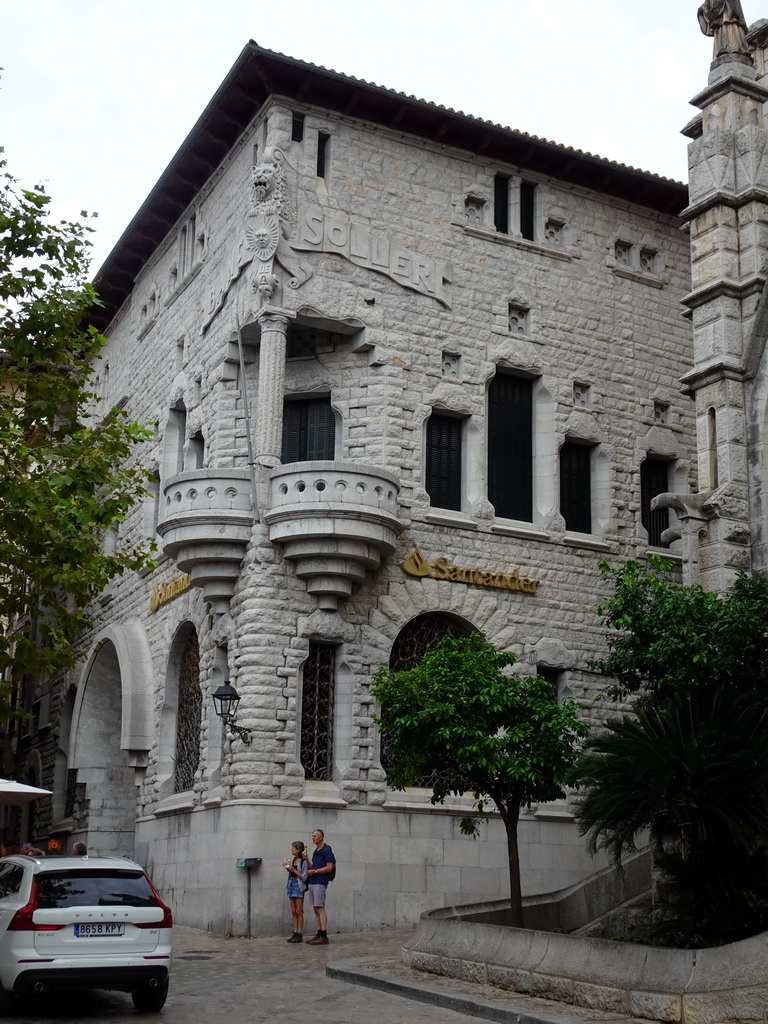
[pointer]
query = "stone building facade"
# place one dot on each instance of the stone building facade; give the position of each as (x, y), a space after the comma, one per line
(410, 372)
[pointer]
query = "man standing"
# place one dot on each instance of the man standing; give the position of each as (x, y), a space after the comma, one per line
(318, 876)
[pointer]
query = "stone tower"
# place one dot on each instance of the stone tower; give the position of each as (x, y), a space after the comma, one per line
(728, 220)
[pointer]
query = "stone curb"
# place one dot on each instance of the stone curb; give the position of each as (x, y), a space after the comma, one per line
(355, 973)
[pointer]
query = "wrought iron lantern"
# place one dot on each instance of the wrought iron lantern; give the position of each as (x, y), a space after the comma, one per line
(226, 701)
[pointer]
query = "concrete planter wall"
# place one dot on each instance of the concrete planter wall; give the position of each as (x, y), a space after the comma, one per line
(680, 985)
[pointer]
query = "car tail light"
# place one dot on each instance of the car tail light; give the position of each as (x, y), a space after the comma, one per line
(167, 921)
(22, 919)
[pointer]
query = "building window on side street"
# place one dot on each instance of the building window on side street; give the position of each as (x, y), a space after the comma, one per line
(309, 431)
(443, 462)
(510, 447)
(527, 210)
(501, 203)
(188, 717)
(576, 486)
(654, 479)
(317, 712)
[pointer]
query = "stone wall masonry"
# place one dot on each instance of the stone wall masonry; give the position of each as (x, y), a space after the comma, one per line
(679, 985)
(383, 880)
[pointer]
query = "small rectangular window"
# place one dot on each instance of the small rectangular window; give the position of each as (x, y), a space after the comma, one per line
(309, 431)
(576, 486)
(323, 148)
(443, 461)
(527, 209)
(501, 203)
(297, 128)
(654, 479)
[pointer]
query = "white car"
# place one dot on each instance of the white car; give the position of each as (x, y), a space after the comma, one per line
(82, 923)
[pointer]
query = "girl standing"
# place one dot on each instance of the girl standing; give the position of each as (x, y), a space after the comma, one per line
(296, 886)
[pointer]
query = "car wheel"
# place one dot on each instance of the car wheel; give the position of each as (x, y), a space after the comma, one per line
(8, 1003)
(150, 1000)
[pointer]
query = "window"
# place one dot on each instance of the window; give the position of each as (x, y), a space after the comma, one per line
(527, 209)
(576, 486)
(309, 431)
(323, 141)
(297, 128)
(510, 447)
(443, 461)
(113, 887)
(501, 203)
(317, 701)
(712, 466)
(654, 479)
(188, 717)
(414, 640)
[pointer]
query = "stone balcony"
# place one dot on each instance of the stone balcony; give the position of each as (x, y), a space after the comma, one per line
(205, 527)
(335, 520)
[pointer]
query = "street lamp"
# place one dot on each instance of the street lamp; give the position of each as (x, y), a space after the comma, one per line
(225, 702)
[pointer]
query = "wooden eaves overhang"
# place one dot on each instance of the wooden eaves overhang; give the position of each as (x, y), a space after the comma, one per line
(258, 74)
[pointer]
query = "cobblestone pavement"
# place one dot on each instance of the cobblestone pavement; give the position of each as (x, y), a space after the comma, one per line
(252, 980)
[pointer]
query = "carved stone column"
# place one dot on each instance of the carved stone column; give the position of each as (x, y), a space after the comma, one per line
(268, 438)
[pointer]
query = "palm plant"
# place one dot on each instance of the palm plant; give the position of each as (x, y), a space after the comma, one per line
(693, 771)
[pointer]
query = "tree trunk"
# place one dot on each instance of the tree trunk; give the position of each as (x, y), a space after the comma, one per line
(510, 815)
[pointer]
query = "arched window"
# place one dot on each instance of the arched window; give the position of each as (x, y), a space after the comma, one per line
(414, 640)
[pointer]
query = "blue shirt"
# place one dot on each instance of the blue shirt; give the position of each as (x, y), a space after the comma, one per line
(320, 858)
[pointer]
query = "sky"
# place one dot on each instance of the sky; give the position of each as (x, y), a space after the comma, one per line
(97, 95)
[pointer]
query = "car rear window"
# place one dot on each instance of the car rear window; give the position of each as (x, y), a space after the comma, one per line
(94, 889)
(10, 880)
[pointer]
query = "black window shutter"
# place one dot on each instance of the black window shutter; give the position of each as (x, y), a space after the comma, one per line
(576, 487)
(510, 447)
(321, 430)
(501, 203)
(527, 200)
(309, 431)
(291, 433)
(654, 479)
(443, 477)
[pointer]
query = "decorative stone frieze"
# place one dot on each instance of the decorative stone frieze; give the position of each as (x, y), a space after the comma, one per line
(205, 527)
(335, 520)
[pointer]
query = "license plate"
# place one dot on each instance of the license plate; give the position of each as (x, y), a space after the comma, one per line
(103, 929)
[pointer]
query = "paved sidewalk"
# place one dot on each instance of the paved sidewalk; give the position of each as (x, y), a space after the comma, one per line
(372, 959)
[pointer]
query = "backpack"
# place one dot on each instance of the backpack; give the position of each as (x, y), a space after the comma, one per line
(332, 874)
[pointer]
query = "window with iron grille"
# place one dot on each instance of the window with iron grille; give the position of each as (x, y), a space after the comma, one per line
(188, 717)
(576, 486)
(443, 463)
(654, 479)
(413, 641)
(317, 705)
(510, 447)
(309, 430)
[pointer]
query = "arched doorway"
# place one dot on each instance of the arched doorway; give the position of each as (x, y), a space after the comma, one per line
(103, 806)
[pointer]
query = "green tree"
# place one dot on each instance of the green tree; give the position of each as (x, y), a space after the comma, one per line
(65, 477)
(662, 635)
(689, 762)
(461, 717)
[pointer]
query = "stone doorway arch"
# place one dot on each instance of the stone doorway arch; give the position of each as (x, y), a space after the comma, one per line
(110, 737)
